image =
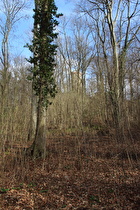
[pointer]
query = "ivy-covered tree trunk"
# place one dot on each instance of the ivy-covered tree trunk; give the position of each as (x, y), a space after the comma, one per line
(44, 50)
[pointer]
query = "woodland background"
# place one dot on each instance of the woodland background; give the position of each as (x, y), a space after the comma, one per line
(93, 123)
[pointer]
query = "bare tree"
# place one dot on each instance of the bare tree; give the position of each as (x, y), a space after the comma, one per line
(83, 51)
(117, 22)
(75, 52)
(10, 14)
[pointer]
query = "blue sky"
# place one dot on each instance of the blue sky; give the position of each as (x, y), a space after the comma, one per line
(22, 30)
(65, 6)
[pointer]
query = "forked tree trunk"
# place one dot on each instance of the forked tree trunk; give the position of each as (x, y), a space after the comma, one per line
(40, 136)
(38, 147)
(44, 50)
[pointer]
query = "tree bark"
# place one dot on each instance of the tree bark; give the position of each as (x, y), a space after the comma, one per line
(38, 147)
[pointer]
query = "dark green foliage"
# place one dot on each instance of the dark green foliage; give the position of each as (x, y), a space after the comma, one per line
(44, 50)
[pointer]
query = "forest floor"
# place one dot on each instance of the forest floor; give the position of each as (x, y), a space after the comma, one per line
(82, 170)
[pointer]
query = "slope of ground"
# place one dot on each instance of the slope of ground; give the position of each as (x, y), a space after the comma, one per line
(81, 171)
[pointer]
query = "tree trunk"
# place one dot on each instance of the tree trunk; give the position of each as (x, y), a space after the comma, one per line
(44, 50)
(33, 118)
(38, 147)
(39, 144)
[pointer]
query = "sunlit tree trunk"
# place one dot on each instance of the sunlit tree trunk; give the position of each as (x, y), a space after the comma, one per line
(44, 50)
(115, 21)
